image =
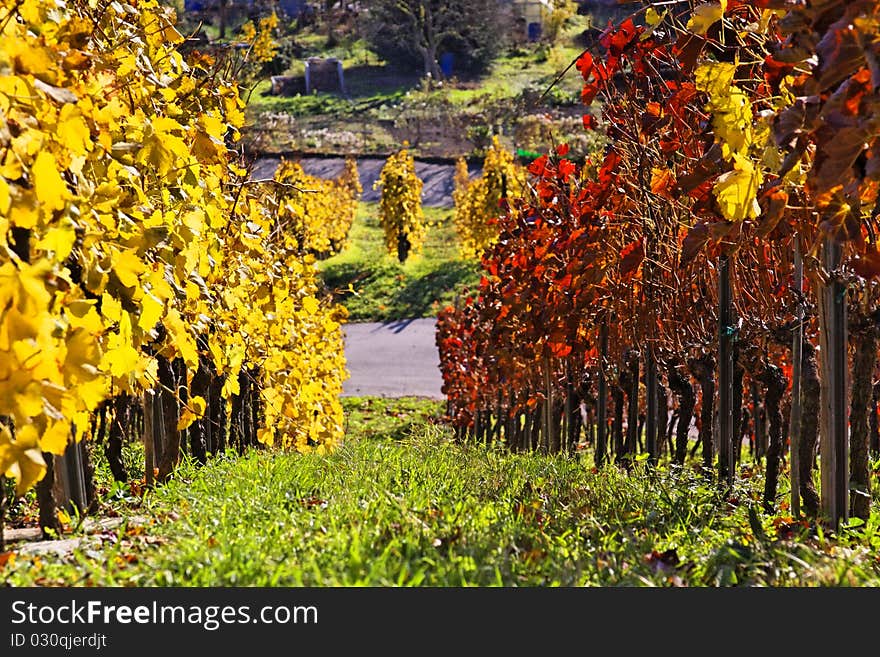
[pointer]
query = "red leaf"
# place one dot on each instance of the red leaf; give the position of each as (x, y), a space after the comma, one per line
(694, 241)
(537, 167)
(562, 150)
(589, 122)
(589, 93)
(615, 41)
(559, 350)
(631, 257)
(773, 203)
(584, 64)
(566, 168)
(867, 265)
(688, 49)
(564, 282)
(774, 70)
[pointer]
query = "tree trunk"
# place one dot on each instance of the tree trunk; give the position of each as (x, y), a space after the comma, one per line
(428, 42)
(662, 416)
(217, 416)
(403, 247)
(49, 522)
(632, 414)
(200, 387)
(601, 400)
(775, 382)
(872, 420)
(113, 448)
(617, 427)
(149, 434)
(2, 511)
(809, 428)
(535, 427)
(170, 414)
(88, 470)
(759, 422)
(100, 422)
(862, 393)
(236, 426)
(682, 387)
(223, 10)
(834, 372)
(704, 371)
(256, 406)
(737, 411)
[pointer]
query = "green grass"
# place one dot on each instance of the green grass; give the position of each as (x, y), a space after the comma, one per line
(384, 289)
(392, 418)
(422, 510)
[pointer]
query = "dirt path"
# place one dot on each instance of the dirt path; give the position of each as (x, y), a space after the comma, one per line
(438, 179)
(392, 359)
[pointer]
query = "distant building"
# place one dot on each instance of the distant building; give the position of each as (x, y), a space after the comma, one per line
(530, 16)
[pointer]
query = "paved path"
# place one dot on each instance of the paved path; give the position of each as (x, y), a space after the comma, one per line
(438, 179)
(393, 359)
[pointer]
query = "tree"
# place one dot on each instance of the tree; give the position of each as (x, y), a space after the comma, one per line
(407, 30)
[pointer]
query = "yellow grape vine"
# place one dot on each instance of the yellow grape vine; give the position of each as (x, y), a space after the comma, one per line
(128, 230)
(321, 210)
(400, 206)
(477, 201)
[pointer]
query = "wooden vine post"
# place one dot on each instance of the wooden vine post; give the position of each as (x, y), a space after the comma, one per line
(725, 372)
(651, 402)
(602, 401)
(70, 478)
(833, 439)
(794, 431)
(150, 456)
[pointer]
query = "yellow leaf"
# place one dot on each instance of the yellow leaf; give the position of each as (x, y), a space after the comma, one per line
(21, 459)
(705, 16)
(34, 296)
(151, 312)
(127, 266)
(181, 339)
(266, 436)
(715, 78)
(121, 358)
(736, 191)
(5, 197)
(82, 314)
(310, 305)
(63, 516)
(29, 400)
(56, 438)
(194, 410)
(49, 186)
(110, 308)
(652, 17)
(230, 386)
(59, 240)
(72, 130)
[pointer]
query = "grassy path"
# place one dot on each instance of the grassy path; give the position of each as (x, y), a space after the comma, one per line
(421, 510)
(375, 287)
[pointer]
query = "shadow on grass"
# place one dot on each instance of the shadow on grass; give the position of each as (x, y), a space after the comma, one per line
(385, 291)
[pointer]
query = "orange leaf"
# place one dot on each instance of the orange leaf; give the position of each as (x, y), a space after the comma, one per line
(662, 182)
